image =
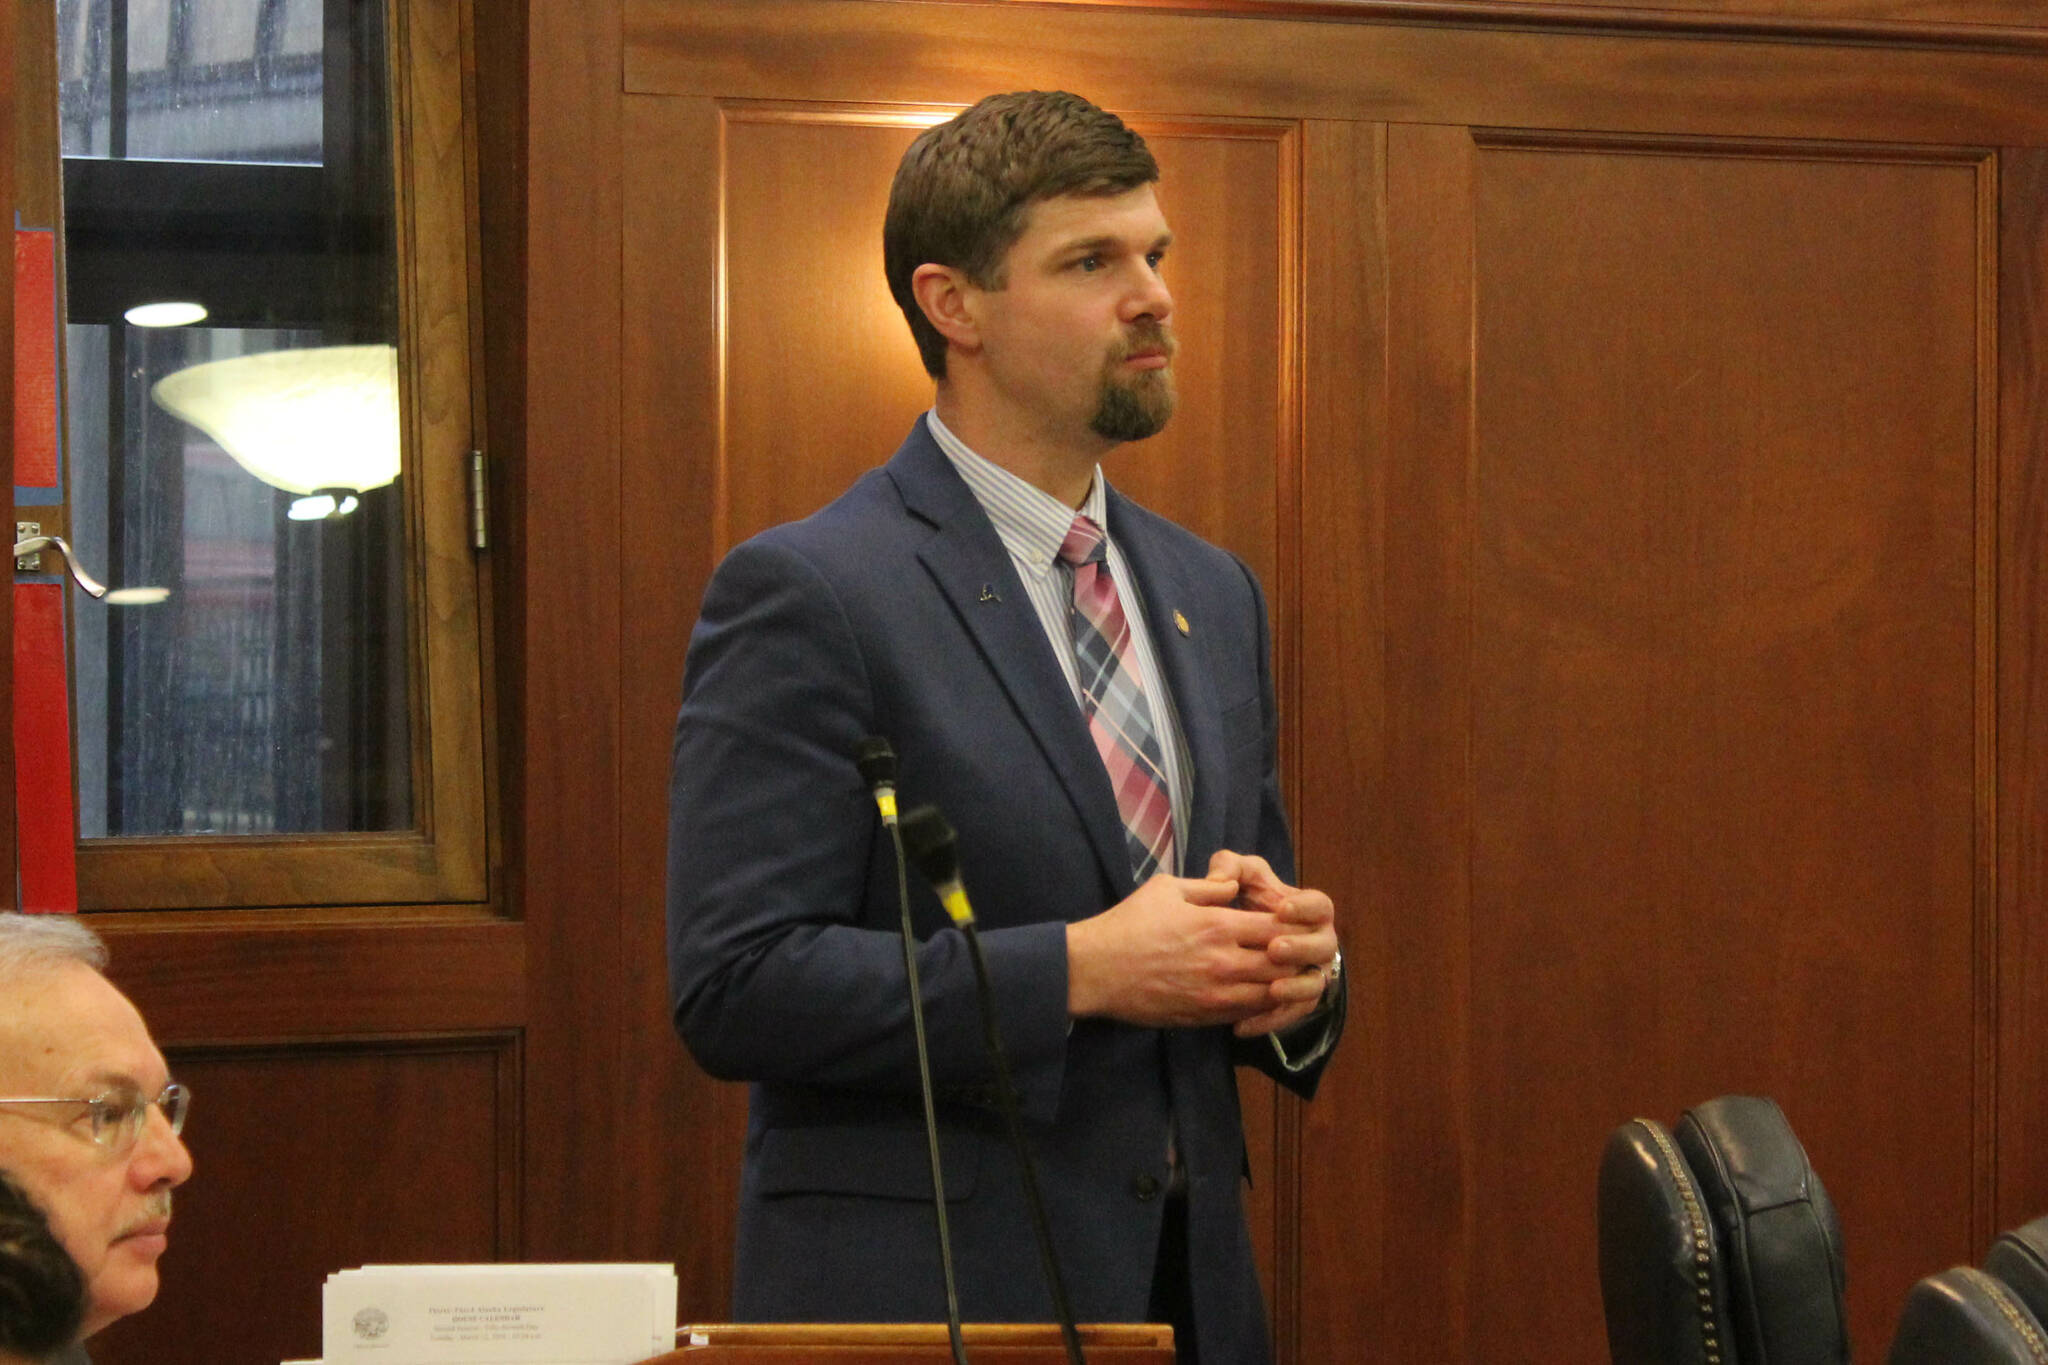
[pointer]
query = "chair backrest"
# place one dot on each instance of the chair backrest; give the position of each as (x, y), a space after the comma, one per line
(1718, 1243)
(1992, 1316)
(1779, 1233)
(1965, 1317)
(1662, 1281)
(2019, 1260)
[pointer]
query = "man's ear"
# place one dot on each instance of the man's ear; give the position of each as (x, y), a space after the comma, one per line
(947, 298)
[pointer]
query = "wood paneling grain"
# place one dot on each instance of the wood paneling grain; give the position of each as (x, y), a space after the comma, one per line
(310, 1160)
(1724, 724)
(1340, 708)
(2021, 938)
(1969, 23)
(574, 618)
(201, 979)
(820, 381)
(1407, 1119)
(684, 1132)
(836, 50)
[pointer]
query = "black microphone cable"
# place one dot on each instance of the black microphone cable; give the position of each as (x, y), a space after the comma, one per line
(931, 844)
(877, 762)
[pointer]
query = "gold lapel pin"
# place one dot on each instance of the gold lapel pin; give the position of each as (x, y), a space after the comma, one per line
(989, 594)
(1180, 623)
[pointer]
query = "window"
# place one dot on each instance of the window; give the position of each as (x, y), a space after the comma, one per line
(301, 719)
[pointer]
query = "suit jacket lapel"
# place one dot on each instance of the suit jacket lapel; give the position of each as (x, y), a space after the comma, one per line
(1170, 595)
(966, 559)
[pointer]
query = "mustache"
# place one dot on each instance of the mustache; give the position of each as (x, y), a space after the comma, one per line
(156, 1210)
(1146, 335)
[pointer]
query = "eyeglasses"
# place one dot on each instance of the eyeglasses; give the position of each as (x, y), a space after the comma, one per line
(118, 1119)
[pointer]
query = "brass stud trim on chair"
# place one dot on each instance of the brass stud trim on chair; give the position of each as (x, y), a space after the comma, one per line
(2022, 1322)
(1696, 1219)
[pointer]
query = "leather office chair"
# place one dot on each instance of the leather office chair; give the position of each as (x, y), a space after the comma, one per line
(2019, 1260)
(1718, 1243)
(1992, 1316)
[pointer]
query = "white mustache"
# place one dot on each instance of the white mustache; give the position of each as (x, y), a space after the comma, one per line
(157, 1209)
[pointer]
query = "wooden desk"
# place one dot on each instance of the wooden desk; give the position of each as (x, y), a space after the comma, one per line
(891, 1343)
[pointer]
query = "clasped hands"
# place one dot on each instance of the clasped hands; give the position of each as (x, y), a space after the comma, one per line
(1238, 947)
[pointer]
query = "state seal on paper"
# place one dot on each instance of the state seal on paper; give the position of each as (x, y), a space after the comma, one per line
(371, 1323)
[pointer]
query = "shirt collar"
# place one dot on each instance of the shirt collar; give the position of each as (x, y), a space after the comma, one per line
(1031, 522)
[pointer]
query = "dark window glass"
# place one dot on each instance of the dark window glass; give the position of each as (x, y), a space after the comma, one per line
(235, 154)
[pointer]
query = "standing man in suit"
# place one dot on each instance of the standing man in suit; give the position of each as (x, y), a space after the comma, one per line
(89, 1118)
(1083, 689)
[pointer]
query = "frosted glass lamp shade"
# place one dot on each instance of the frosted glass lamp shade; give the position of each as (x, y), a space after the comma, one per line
(317, 419)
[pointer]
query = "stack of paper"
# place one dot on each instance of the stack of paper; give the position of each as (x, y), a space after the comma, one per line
(601, 1314)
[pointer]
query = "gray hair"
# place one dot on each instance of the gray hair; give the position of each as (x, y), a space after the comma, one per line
(29, 942)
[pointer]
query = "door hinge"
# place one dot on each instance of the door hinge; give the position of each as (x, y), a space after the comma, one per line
(479, 503)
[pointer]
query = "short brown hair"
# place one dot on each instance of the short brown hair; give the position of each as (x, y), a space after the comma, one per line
(963, 188)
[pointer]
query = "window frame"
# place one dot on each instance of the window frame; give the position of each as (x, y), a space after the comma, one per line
(443, 857)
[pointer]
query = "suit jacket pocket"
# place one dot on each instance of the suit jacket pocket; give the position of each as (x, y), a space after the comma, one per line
(880, 1162)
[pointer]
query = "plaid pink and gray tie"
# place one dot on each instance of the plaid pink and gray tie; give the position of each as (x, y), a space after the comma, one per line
(1113, 696)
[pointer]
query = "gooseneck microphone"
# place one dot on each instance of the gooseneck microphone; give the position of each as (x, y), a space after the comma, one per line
(877, 763)
(876, 760)
(932, 845)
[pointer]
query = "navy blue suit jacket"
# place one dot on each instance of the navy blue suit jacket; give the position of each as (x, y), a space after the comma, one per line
(896, 611)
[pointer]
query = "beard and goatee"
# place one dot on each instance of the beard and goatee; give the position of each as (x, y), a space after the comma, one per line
(1130, 408)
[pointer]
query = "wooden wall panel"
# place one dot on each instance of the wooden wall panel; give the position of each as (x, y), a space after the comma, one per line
(821, 380)
(570, 630)
(285, 975)
(1726, 707)
(313, 1159)
(685, 1131)
(1900, 19)
(1341, 707)
(2020, 1140)
(1387, 1153)
(1489, 74)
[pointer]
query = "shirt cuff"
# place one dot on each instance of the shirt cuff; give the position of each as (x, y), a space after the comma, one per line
(1319, 1021)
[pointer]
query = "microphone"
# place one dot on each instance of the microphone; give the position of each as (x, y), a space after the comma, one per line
(930, 843)
(877, 762)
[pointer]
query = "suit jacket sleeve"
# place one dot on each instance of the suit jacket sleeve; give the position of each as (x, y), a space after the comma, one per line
(784, 960)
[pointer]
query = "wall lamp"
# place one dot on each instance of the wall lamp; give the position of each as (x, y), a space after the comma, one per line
(320, 422)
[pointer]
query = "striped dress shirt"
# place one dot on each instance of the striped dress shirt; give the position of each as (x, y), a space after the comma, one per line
(1031, 524)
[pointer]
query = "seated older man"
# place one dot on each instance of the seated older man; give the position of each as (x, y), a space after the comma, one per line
(89, 1118)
